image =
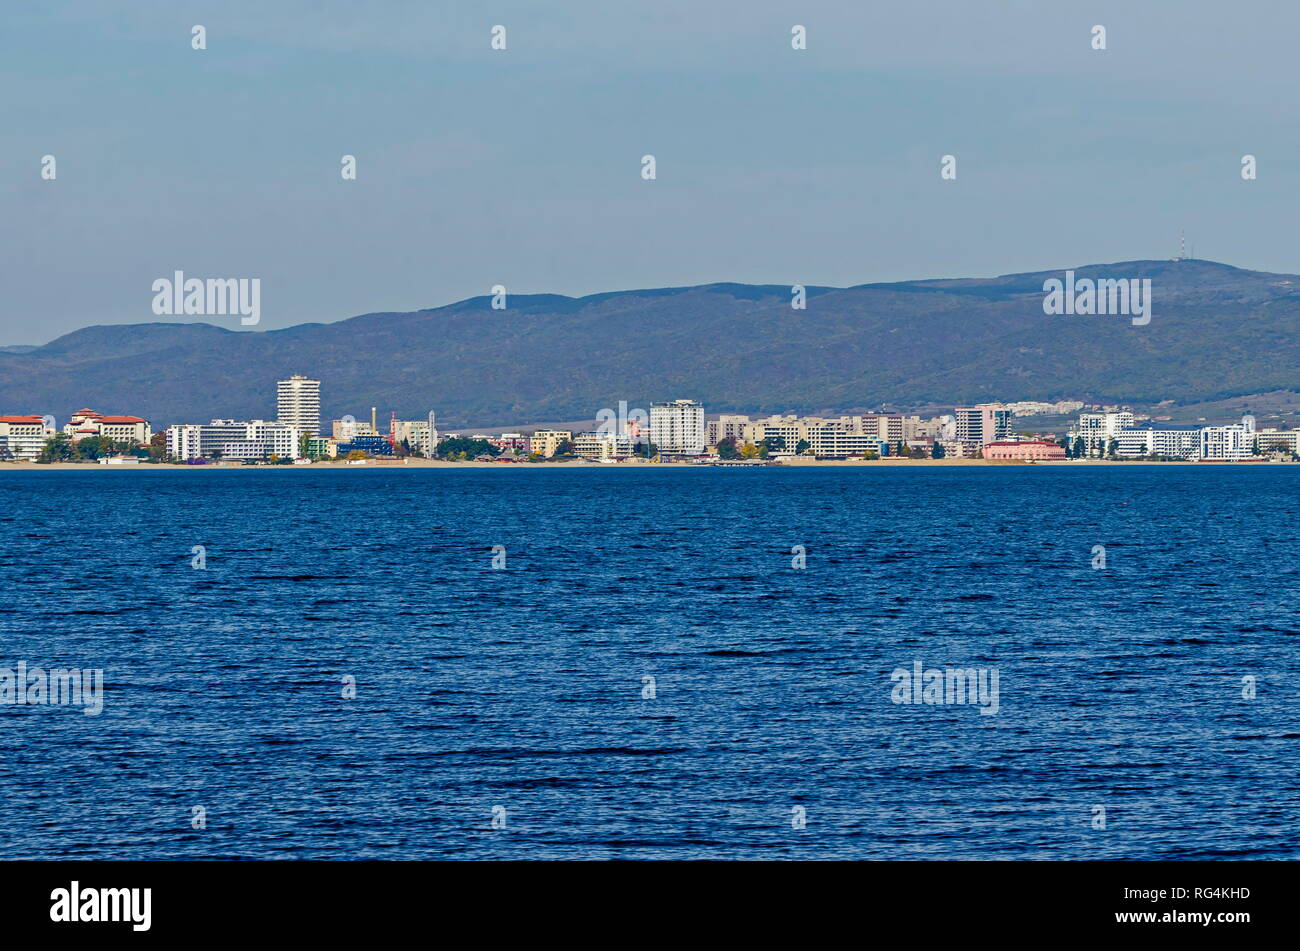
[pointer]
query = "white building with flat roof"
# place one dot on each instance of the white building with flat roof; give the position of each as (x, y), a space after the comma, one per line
(1098, 429)
(297, 403)
(416, 433)
(602, 446)
(253, 441)
(1272, 440)
(1150, 439)
(1230, 443)
(677, 427)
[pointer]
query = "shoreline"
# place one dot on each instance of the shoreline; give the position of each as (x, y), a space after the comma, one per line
(511, 466)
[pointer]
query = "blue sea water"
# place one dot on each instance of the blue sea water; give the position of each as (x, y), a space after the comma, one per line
(484, 692)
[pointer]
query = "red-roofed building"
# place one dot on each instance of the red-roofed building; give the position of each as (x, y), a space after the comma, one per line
(1025, 449)
(23, 437)
(87, 422)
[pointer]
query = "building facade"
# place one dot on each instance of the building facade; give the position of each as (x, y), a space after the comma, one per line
(885, 427)
(297, 403)
(977, 426)
(545, 442)
(1231, 443)
(677, 427)
(1024, 449)
(86, 422)
(1170, 442)
(253, 441)
(1098, 429)
(416, 433)
(726, 426)
(1278, 440)
(24, 436)
(602, 446)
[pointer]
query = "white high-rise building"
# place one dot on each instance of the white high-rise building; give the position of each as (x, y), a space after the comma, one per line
(677, 427)
(297, 403)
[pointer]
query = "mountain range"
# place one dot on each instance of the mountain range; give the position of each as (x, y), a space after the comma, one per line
(1216, 332)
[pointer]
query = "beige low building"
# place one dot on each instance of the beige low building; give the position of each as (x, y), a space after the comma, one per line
(545, 442)
(23, 437)
(602, 446)
(85, 422)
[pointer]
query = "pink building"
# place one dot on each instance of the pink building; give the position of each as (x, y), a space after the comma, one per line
(1029, 449)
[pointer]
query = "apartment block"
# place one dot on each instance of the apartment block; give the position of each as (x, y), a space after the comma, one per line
(545, 442)
(1098, 429)
(839, 439)
(416, 433)
(885, 427)
(1148, 439)
(1272, 440)
(253, 441)
(977, 426)
(24, 435)
(724, 427)
(1230, 443)
(677, 427)
(791, 430)
(297, 403)
(602, 446)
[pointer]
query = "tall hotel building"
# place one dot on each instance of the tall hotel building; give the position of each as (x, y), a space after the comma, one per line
(677, 428)
(297, 403)
(979, 425)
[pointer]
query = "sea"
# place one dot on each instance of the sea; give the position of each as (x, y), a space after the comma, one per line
(653, 662)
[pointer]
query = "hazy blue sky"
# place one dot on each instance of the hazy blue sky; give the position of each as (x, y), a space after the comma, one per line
(522, 167)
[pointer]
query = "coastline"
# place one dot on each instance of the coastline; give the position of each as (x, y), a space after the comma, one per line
(441, 464)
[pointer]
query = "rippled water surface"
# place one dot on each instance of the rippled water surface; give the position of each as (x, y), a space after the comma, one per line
(521, 688)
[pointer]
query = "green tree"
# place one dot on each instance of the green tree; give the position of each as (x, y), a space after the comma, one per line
(58, 448)
(937, 451)
(462, 447)
(1080, 447)
(802, 446)
(727, 448)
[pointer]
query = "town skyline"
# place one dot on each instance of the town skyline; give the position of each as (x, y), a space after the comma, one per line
(677, 430)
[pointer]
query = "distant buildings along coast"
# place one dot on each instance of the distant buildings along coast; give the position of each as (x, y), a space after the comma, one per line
(671, 431)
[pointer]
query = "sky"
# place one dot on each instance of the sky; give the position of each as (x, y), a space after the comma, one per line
(523, 167)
